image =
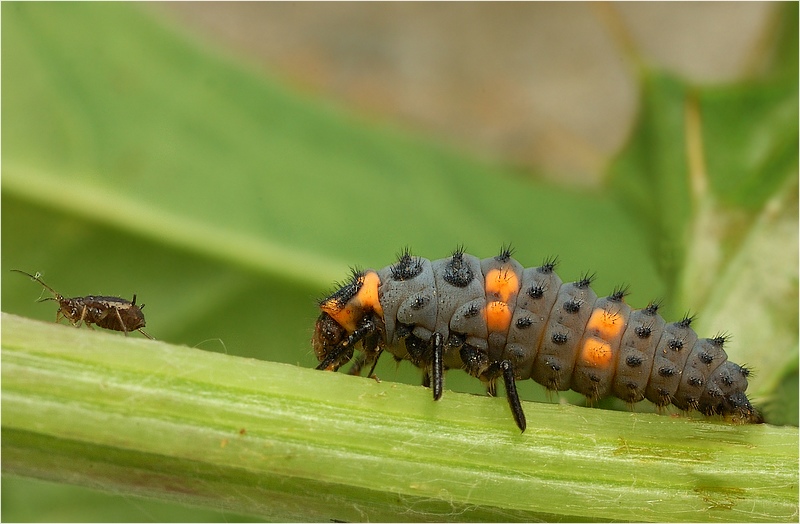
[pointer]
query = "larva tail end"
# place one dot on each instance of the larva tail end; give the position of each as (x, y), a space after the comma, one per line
(741, 410)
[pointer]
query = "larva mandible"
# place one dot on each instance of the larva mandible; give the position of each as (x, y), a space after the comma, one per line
(493, 318)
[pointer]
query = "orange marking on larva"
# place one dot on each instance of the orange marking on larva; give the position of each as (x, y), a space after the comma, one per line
(498, 316)
(363, 302)
(368, 294)
(502, 283)
(597, 353)
(347, 316)
(606, 324)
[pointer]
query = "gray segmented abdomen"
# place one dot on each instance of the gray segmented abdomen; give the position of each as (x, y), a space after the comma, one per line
(559, 334)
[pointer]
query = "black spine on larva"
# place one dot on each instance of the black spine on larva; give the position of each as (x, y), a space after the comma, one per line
(585, 280)
(406, 267)
(619, 293)
(652, 308)
(505, 253)
(458, 273)
(687, 320)
(345, 291)
(548, 265)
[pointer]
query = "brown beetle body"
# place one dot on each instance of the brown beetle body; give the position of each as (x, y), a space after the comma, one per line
(115, 313)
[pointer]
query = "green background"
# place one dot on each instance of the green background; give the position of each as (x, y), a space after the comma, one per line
(139, 160)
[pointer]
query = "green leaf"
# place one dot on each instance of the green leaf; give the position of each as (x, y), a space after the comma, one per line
(151, 419)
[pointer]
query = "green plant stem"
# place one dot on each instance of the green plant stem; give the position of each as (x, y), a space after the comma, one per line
(145, 418)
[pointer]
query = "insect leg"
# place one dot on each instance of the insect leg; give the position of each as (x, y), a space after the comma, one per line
(475, 361)
(426, 378)
(142, 331)
(358, 365)
(334, 356)
(437, 364)
(82, 319)
(373, 348)
(375, 362)
(511, 394)
(491, 388)
(119, 317)
(370, 355)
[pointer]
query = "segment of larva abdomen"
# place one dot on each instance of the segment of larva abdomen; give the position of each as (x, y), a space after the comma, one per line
(535, 300)
(408, 296)
(598, 350)
(670, 356)
(556, 356)
(705, 358)
(635, 360)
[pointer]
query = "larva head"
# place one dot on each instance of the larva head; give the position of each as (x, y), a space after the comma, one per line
(344, 310)
(328, 334)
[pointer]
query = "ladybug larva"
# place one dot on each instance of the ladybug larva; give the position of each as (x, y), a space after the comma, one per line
(493, 318)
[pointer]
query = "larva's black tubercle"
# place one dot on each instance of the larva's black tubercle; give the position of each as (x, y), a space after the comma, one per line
(497, 320)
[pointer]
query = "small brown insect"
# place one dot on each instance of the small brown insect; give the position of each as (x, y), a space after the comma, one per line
(113, 313)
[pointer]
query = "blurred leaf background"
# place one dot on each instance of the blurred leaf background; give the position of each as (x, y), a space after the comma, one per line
(139, 157)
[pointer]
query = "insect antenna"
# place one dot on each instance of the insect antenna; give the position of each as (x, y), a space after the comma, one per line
(56, 295)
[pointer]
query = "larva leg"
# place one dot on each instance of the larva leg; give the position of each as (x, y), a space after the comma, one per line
(429, 356)
(491, 389)
(426, 379)
(358, 365)
(375, 362)
(476, 364)
(511, 394)
(475, 361)
(370, 355)
(334, 358)
(437, 364)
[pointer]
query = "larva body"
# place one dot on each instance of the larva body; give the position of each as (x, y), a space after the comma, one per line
(493, 318)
